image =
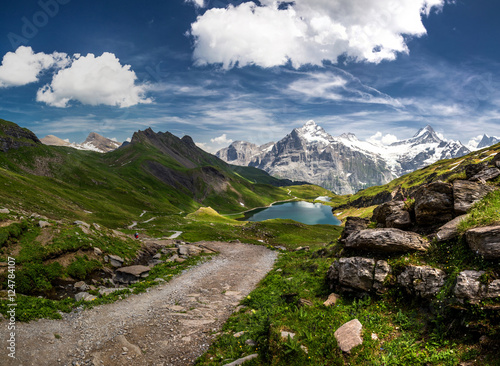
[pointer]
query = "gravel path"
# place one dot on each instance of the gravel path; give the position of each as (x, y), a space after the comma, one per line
(172, 324)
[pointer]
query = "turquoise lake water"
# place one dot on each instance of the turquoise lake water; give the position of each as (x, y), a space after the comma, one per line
(305, 212)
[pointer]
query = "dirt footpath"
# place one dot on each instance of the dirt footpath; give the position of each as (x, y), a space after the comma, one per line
(172, 324)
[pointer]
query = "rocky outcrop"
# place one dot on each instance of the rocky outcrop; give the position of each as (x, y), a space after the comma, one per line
(392, 215)
(14, 137)
(364, 274)
(471, 287)
(423, 281)
(486, 174)
(434, 203)
(450, 229)
(485, 241)
(352, 225)
(131, 274)
(473, 169)
(386, 241)
(348, 335)
(466, 193)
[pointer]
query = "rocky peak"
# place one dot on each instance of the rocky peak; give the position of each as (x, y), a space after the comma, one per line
(426, 135)
(99, 143)
(488, 141)
(349, 136)
(312, 133)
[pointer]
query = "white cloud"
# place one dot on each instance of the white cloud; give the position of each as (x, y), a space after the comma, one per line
(380, 139)
(199, 3)
(94, 80)
(337, 87)
(221, 140)
(24, 66)
(308, 31)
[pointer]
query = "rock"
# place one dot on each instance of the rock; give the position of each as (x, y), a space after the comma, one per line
(353, 224)
(154, 262)
(172, 258)
(116, 261)
(169, 250)
(240, 361)
(108, 291)
(468, 285)
(496, 160)
(359, 273)
(97, 251)
(466, 193)
(179, 260)
(348, 335)
(392, 214)
(434, 203)
(81, 285)
(132, 348)
(386, 241)
(250, 342)
(81, 223)
(131, 274)
(96, 226)
(449, 230)
(305, 249)
(157, 256)
(332, 300)
(43, 224)
(85, 296)
(239, 334)
(189, 250)
(285, 334)
(486, 174)
(423, 281)
(473, 169)
(493, 290)
(305, 302)
(4, 211)
(485, 241)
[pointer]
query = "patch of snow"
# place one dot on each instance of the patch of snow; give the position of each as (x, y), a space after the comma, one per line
(242, 204)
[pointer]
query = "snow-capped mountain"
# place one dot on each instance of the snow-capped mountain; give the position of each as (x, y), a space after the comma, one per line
(93, 142)
(343, 164)
(488, 141)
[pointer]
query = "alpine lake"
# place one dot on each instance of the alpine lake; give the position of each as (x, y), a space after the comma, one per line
(300, 211)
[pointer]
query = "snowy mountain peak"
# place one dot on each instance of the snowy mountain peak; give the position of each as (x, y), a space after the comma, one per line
(313, 133)
(426, 129)
(349, 136)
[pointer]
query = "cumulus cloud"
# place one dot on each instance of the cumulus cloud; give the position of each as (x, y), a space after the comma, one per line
(307, 31)
(380, 139)
(221, 140)
(199, 3)
(24, 66)
(94, 80)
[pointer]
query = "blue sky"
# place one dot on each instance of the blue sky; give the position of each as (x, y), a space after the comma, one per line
(223, 71)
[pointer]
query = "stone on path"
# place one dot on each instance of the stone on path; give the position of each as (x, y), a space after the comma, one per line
(348, 335)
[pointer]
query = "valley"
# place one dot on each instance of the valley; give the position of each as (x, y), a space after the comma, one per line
(222, 289)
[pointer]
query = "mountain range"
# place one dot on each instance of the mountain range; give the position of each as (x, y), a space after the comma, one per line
(343, 164)
(93, 142)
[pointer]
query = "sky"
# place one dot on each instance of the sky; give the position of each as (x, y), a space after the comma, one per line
(222, 71)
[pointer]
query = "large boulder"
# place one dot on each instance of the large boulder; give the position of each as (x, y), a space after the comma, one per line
(392, 214)
(352, 225)
(485, 241)
(473, 169)
(434, 203)
(466, 193)
(131, 274)
(386, 241)
(348, 335)
(468, 286)
(359, 273)
(450, 229)
(486, 174)
(423, 281)
(496, 161)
